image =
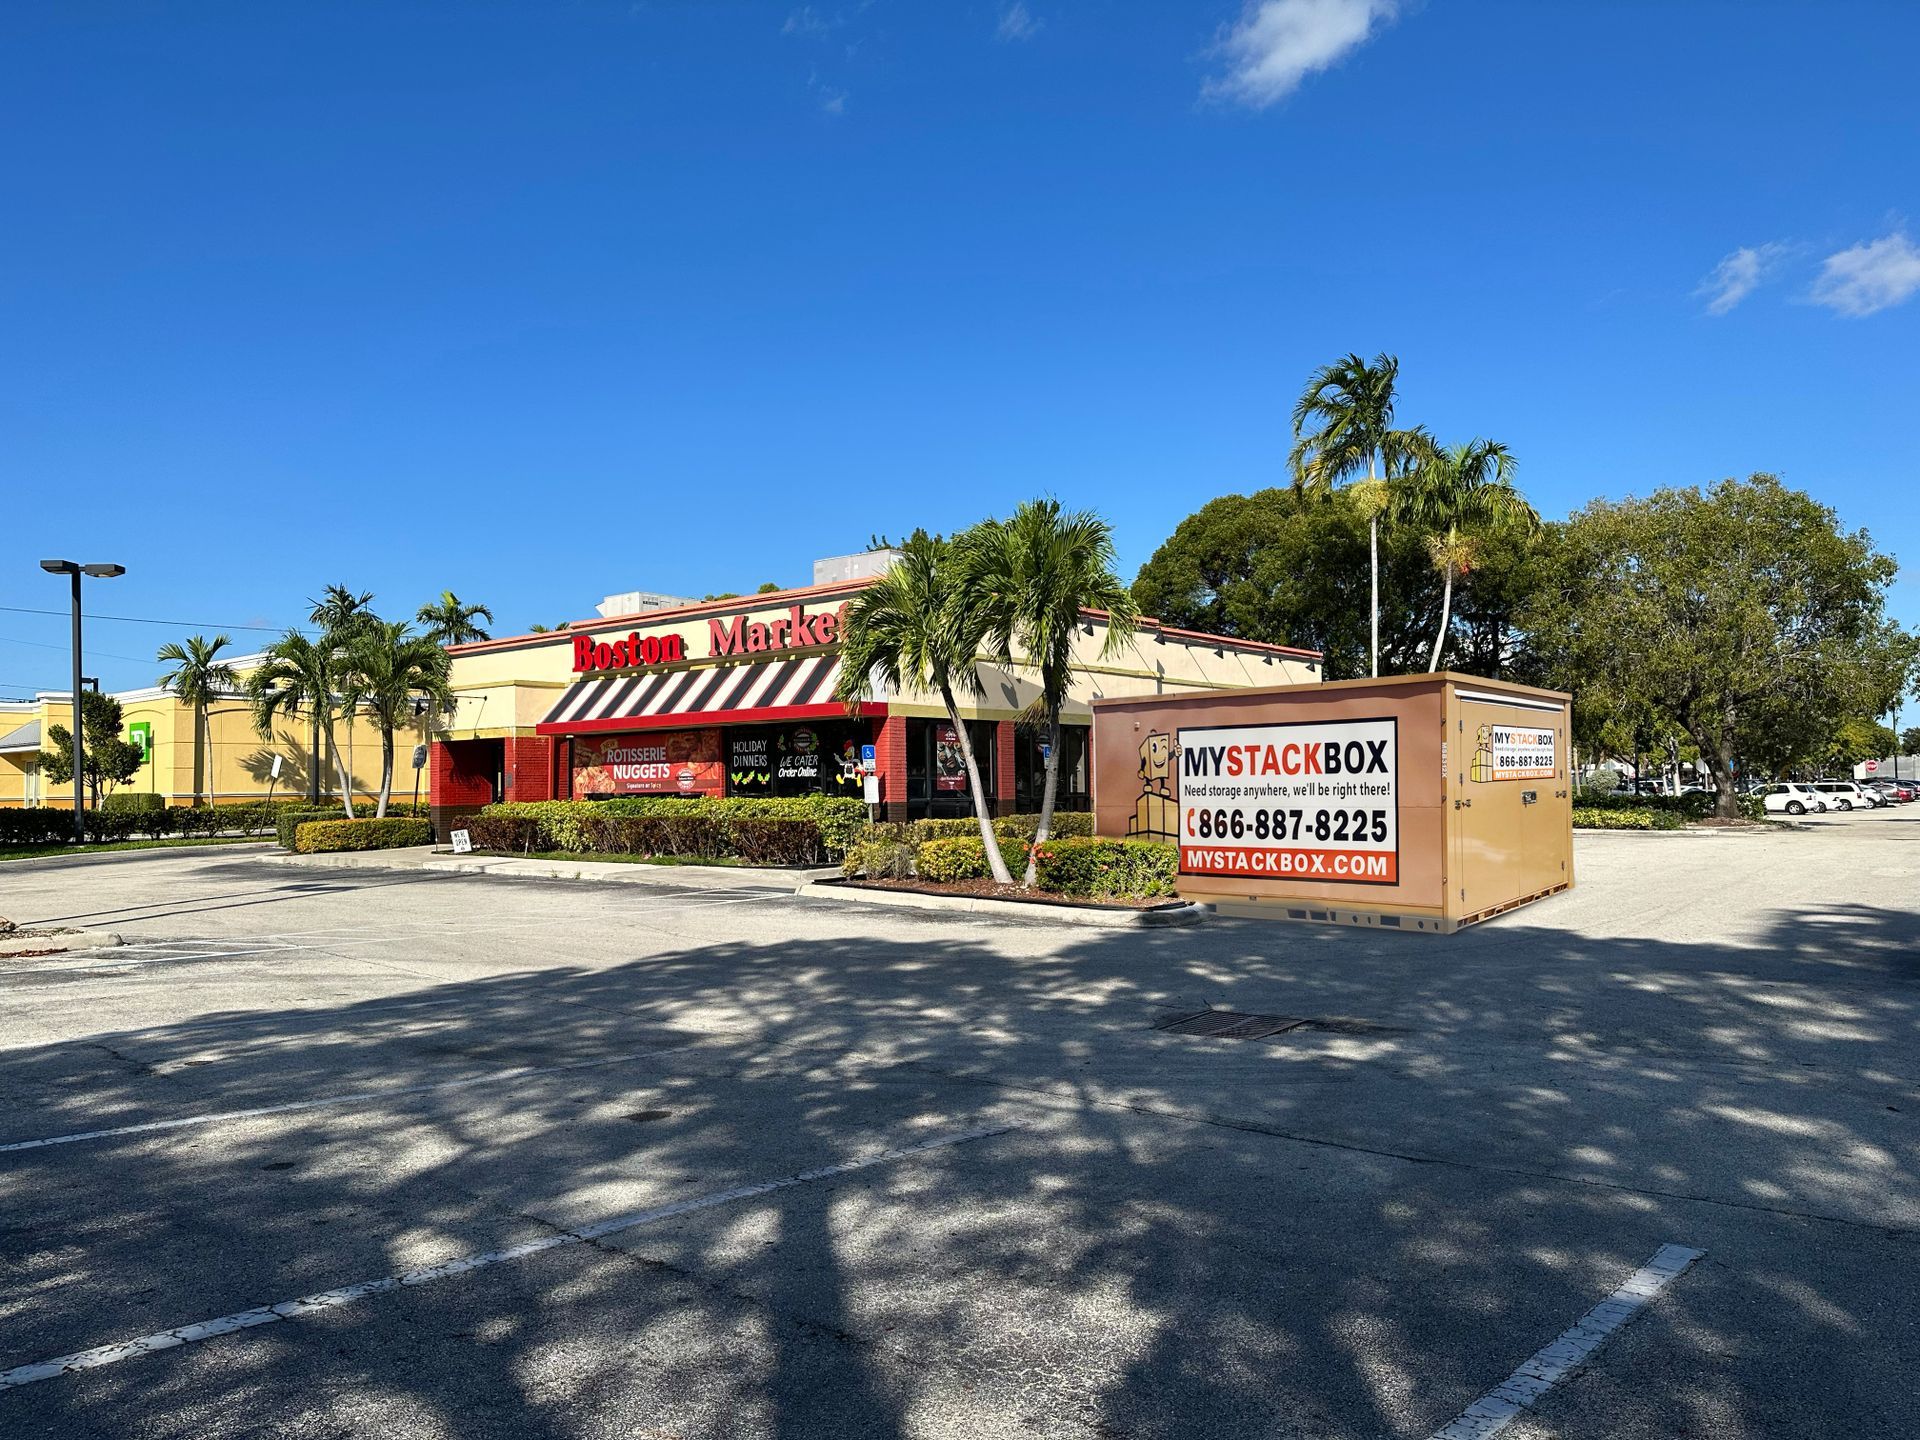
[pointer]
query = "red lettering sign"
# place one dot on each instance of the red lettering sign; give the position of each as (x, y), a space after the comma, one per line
(627, 653)
(796, 630)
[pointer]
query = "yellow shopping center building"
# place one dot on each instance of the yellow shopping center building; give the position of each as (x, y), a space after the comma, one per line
(183, 763)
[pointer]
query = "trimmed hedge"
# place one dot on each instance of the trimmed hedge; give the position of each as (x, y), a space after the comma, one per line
(964, 857)
(125, 814)
(1086, 867)
(1008, 827)
(132, 802)
(292, 813)
(568, 825)
(1626, 817)
(322, 836)
(880, 858)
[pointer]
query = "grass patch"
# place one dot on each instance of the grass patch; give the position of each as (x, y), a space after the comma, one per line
(44, 852)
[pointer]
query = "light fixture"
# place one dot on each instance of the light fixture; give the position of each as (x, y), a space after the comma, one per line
(75, 571)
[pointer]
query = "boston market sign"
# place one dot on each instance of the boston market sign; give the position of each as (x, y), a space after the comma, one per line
(796, 630)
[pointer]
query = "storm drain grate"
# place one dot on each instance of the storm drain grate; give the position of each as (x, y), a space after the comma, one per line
(1231, 1025)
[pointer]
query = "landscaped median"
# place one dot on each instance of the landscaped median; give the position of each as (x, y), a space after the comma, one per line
(943, 864)
(1610, 810)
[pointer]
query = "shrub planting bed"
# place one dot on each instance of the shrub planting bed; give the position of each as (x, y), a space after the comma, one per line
(128, 815)
(804, 830)
(319, 837)
(1071, 869)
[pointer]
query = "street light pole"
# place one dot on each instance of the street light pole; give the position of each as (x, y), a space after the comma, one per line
(75, 571)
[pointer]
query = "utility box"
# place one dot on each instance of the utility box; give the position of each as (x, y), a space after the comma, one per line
(1415, 802)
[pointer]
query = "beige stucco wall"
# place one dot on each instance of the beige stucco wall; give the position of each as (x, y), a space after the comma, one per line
(239, 761)
(506, 686)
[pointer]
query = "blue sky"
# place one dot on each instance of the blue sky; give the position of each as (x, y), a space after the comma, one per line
(545, 300)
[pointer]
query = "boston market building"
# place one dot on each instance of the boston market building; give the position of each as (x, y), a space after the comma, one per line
(662, 696)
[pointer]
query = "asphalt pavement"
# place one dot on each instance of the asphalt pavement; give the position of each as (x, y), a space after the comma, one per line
(411, 1154)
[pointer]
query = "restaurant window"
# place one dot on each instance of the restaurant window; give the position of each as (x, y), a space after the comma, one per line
(808, 759)
(1029, 769)
(937, 785)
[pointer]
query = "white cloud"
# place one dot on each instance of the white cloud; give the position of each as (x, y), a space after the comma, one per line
(1278, 43)
(1739, 275)
(1017, 23)
(1869, 277)
(804, 21)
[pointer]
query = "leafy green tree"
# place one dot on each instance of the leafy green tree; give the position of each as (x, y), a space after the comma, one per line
(450, 622)
(302, 676)
(1286, 568)
(1910, 740)
(1455, 498)
(110, 758)
(1342, 425)
(383, 668)
(198, 678)
(1032, 575)
(1738, 615)
(916, 627)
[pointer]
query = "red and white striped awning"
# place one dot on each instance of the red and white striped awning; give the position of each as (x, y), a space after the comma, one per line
(769, 690)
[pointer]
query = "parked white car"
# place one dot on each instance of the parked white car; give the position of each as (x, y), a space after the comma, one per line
(1792, 799)
(1842, 794)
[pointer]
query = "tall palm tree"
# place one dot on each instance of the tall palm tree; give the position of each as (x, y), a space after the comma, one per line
(300, 676)
(915, 628)
(1452, 495)
(1349, 407)
(449, 622)
(339, 611)
(198, 678)
(1031, 577)
(384, 667)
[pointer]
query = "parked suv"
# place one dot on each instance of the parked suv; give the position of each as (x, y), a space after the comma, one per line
(1843, 794)
(1794, 799)
(1900, 792)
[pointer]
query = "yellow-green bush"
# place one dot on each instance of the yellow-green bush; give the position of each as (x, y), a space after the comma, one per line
(964, 857)
(320, 836)
(1089, 868)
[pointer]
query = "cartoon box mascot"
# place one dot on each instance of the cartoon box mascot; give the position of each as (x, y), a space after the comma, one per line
(1156, 813)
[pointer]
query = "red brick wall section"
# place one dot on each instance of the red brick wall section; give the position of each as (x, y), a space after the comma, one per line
(454, 783)
(461, 775)
(1003, 802)
(890, 749)
(529, 767)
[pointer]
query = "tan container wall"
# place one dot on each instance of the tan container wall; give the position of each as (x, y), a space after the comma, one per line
(1468, 843)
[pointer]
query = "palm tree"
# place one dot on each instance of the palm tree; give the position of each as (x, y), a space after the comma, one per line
(449, 622)
(301, 676)
(199, 678)
(914, 628)
(1031, 578)
(340, 611)
(1350, 405)
(385, 666)
(1452, 494)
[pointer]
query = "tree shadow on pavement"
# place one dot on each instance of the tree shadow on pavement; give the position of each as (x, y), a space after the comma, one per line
(1350, 1230)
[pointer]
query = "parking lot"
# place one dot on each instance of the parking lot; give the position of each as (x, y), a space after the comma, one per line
(334, 1152)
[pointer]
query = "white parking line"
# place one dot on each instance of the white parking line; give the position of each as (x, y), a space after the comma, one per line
(374, 1096)
(1493, 1411)
(348, 1294)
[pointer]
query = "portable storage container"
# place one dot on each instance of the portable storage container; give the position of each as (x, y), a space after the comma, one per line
(1419, 802)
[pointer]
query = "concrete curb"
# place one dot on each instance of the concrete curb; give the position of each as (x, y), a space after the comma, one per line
(1028, 911)
(440, 862)
(18, 943)
(698, 877)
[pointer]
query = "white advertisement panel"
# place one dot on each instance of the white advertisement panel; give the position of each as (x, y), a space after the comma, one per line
(1520, 752)
(1303, 800)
